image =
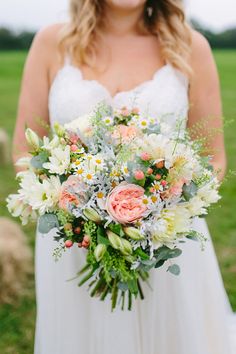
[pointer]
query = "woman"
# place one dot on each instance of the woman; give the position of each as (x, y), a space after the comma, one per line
(142, 53)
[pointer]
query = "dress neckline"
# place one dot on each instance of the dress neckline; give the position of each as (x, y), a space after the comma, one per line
(77, 70)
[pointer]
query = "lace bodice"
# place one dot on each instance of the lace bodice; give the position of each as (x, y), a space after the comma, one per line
(165, 95)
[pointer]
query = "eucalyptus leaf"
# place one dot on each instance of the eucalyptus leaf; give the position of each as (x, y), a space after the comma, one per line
(164, 253)
(47, 222)
(174, 269)
(38, 160)
(123, 286)
(189, 191)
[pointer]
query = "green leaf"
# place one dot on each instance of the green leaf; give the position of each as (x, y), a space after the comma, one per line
(38, 160)
(101, 237)
(133, 286)
(163, 253)
(159, 264)
(47, 222)
(189, 191)
(174, 269)
(141, 254)
(117, 229)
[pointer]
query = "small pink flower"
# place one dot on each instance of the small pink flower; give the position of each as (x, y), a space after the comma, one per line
(74, 148)
(73, 138)
(139, 175)
(125, 134)
(145, 156)
(135, 110)
(177, 188)
(125, 112)
(125, 203)
(72, 193)
(163, 183)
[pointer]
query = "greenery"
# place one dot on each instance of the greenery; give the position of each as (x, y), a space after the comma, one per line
(17, 320)
(10, 40)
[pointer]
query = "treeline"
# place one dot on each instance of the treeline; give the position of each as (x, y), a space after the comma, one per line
(10, 40)
(225, 39)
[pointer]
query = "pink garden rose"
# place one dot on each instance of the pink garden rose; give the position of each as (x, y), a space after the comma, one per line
(125, 203)
(72, 194)
(125, 134)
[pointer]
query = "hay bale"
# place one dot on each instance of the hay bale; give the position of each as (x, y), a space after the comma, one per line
(15, 261)
(4, 148)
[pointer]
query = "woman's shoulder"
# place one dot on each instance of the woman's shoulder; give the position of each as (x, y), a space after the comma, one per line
(201, 53)
(44, 48)
(48, 36)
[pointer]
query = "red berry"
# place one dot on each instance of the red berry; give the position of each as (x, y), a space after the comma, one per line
(77, 230)
(163, 183)
(86, 238)
(85, 244)
(158, 176)
(149, 171)
(68, 243)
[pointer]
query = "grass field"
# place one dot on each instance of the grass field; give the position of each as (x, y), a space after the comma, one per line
(17, 321)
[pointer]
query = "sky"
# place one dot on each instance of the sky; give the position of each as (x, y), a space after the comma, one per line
(35, 14)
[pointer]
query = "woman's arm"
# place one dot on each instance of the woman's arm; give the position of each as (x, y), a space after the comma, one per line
(33, 101)
(205, 113)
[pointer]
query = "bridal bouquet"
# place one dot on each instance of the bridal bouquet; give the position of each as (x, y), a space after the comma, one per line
(121, 185)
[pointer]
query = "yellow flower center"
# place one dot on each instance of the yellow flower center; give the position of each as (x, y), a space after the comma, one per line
(89, 176)
(100, 195)
(145, 201)
(154, 199)
(80, 171)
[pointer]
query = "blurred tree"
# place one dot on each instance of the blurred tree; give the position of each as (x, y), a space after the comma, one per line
(10, 40)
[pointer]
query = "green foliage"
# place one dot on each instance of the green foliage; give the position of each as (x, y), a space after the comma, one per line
(10, 40)
(47, 222)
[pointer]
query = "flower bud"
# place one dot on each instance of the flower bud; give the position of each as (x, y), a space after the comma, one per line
(133, 233)
(99, 251)
(32, 138)
(92, 215)
(59, 130)
(126, 248)
(114, 239)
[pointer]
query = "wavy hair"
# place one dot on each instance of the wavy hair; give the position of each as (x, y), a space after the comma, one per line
(167, 21)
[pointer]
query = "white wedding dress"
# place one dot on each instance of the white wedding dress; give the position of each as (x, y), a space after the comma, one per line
(188, 314)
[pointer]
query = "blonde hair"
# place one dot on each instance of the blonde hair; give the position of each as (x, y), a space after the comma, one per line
(167, 22)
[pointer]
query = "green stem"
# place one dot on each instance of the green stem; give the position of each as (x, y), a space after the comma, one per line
(130, 301)
(105, 292)
(87, 277)
(140, 290)
(97, 286)
(114, 294)
(123, 301)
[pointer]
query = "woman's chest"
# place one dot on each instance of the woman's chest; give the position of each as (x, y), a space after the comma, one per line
(71, 95)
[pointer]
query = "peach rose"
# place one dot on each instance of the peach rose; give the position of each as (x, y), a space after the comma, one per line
(125, 203)
(125, 134)
(72, 193)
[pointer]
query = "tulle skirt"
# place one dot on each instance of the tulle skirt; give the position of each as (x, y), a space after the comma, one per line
(188, 314)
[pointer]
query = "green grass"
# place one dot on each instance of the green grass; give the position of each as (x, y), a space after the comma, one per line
(17, 321)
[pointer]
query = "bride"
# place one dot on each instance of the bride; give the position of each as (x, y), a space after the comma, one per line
(127, 53)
